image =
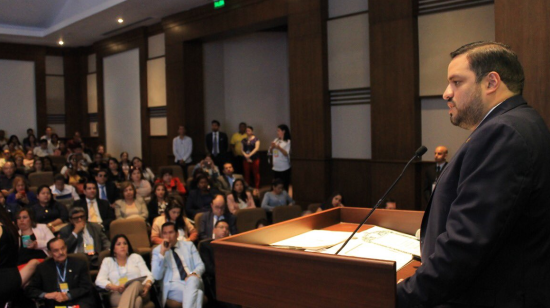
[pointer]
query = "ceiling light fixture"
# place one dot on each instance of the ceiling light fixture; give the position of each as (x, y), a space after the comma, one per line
(61, 42)
(120, 20)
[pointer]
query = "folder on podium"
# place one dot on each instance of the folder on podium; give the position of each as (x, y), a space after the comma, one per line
(251, 273)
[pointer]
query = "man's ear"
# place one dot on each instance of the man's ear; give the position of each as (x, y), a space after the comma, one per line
(493, 82)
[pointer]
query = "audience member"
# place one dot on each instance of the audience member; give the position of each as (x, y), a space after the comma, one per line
(125, 167)
(74, 142)
(179, 266)
(158, 203)
(84, 237)
(48, 134)
(107, 189)
(29, 160)
(61, 150)
(97, 164)
(30, 143)
(251, 162)
(34, 237)
(125, 275)
(208, 167)
(236, 147)
(21, 194)
(6, 156)
(137, 163)
(3, 140)
(173, 184)
(174, 213)
(6, 178)
(143, 187)
(11, 278)
(432, 174)
(390, 204)
(20, 168)
(30, 132)
(182, 147)
(74, 172)
(62, 191)
(62, 280)
(10, 208)
(97, 210)
(54, 143)
(114, 173)
(280, 153)
(335, 200)
(239, 198)
(276, 197)
(14, 145)
(101, 150)
(217, 144)
(87, 152)
(125, 157)
(48, 211)
(79, 149)
(129, 205)
(224, 183)
(48, 164)
(200, 199)
(218, 211)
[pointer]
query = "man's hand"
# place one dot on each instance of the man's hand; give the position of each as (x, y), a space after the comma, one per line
(61, 297)
(145, 289)
(192, 274)
(51, 295)
(164, 246)
(79, 226)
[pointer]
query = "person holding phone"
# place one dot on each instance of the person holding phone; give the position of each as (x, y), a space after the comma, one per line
(34, 237)
(21, 194)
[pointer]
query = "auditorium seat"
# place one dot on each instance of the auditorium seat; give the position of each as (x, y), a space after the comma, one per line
(41, 178)
(246, 219)
(313, 207)
(282, 213)
(136, 231)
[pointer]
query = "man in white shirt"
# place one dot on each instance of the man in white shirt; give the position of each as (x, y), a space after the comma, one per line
(179, 266)
(43, 150)
(182, 146)
(62, 191)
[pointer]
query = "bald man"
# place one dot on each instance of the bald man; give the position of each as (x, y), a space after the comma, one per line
(218, 211)
(432, 174)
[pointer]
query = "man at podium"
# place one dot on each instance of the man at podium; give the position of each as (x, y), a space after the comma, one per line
(485, 233)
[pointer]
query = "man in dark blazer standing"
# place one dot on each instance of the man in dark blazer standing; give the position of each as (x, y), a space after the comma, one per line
(61, 280)
(217, 144)
(102, 212)
(485, 233)
(432, 174)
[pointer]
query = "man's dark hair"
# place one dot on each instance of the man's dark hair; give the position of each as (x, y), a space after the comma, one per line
(90, 182)
(216, 122)
(486, 57)
(167, 224)
(242, 123)
(221, 220)
(164, 171)
(53, 240)
(59, 177)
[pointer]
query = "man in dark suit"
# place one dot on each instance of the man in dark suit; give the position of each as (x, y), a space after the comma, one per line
(224, 183)
(84, 237)
(97, 210)
(209, 219)
(432, 174)
(217, 144)
(484, 236)
(106, 189)
(61, 280)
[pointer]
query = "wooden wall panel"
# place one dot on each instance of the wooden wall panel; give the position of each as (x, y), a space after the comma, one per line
(352, 177)
(159, 147)
(524, 28)
(75, 68)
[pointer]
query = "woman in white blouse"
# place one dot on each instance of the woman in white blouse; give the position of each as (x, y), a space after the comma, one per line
(34, 237)
(239, 197)
(122, 267)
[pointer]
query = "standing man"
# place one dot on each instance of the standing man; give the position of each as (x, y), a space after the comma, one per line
(237, 147)
(179, 266)
(217, 144)
(182, 146)
(484, 236)
(61, 280)
(432, 174)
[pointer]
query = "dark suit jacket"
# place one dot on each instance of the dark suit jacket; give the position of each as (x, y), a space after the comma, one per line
(105, 210)
(207, 225)
(223, 184)
(223, 143)
(485, 234)
(101, 242)
(78, 278)
(430, 176)
(112, 192)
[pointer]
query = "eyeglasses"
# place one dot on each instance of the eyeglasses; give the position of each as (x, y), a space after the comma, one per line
(78, 217)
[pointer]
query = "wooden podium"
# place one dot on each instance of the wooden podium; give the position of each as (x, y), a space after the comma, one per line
(252, 274)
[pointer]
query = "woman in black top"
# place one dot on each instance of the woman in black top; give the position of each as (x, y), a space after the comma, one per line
(11, 279)
(158, 203)
(48, 211)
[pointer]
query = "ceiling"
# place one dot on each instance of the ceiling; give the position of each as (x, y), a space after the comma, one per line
(81, 22)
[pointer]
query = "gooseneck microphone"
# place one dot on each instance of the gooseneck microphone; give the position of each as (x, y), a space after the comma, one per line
(421, 150)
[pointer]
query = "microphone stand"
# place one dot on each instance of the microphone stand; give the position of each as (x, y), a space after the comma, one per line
(418, 154)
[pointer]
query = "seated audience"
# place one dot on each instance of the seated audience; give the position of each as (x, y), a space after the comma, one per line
(14, 145)
(114, 172)
(129, 205)
(43, 150)
(21, 194)
(101, 150)
(75, 172)
(97, 164)
(147, 173)
(123, 267)
(61, 280)
(54, 143)
(48, 134)
(173, 184)
(125, 158)
(217, 212)
(29, 142)
(79, 149)
(143, 187)
(125, 167)
(48, 211)
(6, 156)
(179, 266)
(158, 203)
(276, 197)
(61, 150)
(62, 191)
(239, 197)
(224, 183)
(19, 166)
(6, 178)
(200, 199)
(335, 200)
(107, 189)
(34, 237)
(174, 213)
(208, 166)
(84, 237)
(97, 210)
(390, 204)
(29, 160)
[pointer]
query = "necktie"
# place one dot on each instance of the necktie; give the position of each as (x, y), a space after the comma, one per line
(438, 169)
(93, 214)
(183, 274)
(102, 193)
(215, 151)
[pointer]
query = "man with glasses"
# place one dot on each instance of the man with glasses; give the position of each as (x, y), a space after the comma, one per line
(84, 237)
(107, 190)
(97, 210)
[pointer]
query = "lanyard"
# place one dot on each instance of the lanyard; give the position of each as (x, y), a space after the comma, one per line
(62, 278)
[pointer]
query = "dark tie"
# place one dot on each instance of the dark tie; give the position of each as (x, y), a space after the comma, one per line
(183, 274)
(438, 169)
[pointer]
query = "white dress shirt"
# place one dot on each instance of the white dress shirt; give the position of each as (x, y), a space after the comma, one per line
(182, 148)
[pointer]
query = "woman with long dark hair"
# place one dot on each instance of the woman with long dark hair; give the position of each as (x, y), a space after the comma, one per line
(174, 213)
(280, 153)
(239, 198)
(158, 203)
(147, 173)
(34, 237)
(335, 200)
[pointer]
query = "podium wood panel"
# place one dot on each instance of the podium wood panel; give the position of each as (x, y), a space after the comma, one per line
(252, 274)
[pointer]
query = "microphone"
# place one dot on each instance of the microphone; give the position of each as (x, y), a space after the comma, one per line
(421, 150)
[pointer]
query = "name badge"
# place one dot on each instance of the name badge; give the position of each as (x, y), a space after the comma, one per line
(122, 281)
(64, 287)
(89, 249)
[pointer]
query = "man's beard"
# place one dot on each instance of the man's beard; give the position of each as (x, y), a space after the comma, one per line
(472, 113)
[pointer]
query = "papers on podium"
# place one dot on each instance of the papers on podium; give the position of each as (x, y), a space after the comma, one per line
(374, 243)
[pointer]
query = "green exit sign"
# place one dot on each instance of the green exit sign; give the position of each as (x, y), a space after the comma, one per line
(219, 3)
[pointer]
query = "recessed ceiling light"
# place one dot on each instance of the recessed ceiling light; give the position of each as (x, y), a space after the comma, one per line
(120, 20)
(61, 42)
